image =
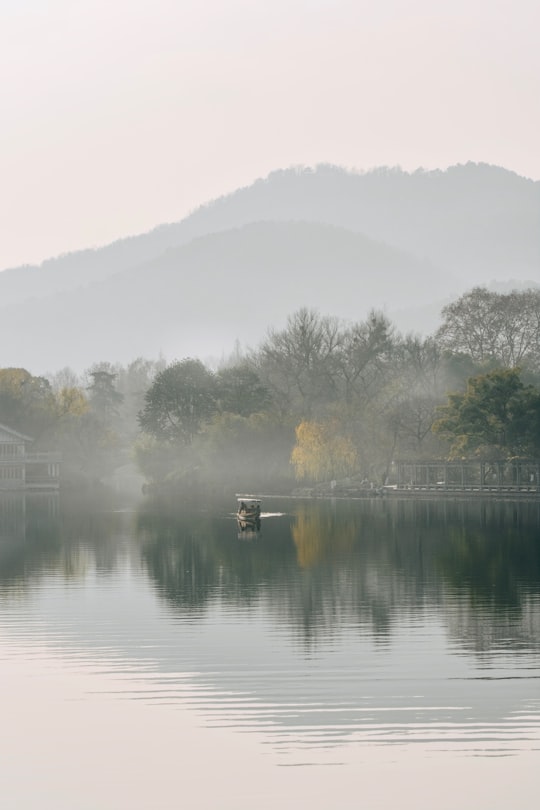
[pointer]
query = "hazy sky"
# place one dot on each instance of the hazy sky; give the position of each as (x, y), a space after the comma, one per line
(118, 115)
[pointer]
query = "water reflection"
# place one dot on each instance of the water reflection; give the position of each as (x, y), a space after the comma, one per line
(379, 618)
(43, 534)
(374, 621)
(326, 564)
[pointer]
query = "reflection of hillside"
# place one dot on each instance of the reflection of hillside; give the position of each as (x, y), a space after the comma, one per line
(368, 563)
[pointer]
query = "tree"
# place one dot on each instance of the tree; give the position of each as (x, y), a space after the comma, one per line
(70, 403)
(245, 451)
(322, 452)
(133, 381)
(180, 400)
(497, 414)
(299, 364)
(77, 432)
(240, 391)
(363, 357)
(65, 378)
(104, 398)
(418, 382)
(494, 327)
(26, 402)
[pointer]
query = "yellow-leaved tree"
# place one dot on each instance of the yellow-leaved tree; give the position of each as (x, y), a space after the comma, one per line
(71, 402)
(322, 452)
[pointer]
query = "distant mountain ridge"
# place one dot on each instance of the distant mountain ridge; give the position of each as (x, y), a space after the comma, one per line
(471, 218)
(339, 241)
(199, 298)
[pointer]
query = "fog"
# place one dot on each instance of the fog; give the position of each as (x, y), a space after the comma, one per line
(320, 400)
(308, 328)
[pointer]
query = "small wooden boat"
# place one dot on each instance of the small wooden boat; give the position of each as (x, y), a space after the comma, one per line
(248, 514)
(249, 508)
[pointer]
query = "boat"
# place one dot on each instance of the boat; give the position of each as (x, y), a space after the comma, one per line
(248, 507)
(248, 513)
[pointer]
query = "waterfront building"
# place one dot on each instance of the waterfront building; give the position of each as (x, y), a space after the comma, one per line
(22, 469)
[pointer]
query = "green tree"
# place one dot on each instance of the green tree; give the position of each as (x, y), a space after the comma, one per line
(246, 451)
(240, 391)
(496, 415)
(105, 400)
(179, 402)
(133, 381)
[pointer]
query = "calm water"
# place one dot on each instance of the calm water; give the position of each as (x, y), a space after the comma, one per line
(346, 634)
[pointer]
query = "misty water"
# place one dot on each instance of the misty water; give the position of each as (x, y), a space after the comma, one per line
(342, 631)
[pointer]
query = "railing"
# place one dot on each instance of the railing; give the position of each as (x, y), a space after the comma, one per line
(40, 470)
(470, 475)
(42, 458)
(476, 487)
(32, 458)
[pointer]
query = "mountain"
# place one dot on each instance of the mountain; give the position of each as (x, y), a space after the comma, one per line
(471, 218)
(340, 241)
(199, 298)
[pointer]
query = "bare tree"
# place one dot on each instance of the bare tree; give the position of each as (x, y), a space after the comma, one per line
(365, 351)
(494, 327)
(300, 364)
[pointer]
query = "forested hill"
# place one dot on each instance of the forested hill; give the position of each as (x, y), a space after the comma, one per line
(479, 222)
(199, 298)
(469, 219)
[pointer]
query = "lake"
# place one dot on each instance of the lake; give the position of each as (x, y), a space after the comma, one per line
(378, 653)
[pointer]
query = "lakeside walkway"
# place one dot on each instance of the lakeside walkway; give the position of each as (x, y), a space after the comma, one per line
(517, 478)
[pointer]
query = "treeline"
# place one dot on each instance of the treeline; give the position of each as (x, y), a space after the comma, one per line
(318, 400)
(91, 418)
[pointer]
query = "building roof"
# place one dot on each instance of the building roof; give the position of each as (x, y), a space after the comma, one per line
(7, 434)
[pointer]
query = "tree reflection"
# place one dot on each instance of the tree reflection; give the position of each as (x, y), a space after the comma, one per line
(180, 557)
(369, 563)
(193, 556)
(319, 570)
(28, 536)
(320, 535)
(45, 533)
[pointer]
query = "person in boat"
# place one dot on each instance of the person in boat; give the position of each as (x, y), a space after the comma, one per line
(243, 507)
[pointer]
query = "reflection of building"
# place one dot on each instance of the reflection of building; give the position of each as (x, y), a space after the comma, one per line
(20, 469)
(29, 533)
(12, 518)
